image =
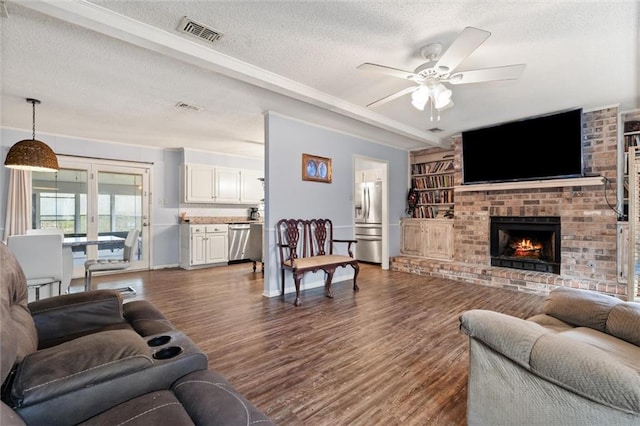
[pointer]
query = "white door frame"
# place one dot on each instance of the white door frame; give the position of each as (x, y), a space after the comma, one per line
(93, 166)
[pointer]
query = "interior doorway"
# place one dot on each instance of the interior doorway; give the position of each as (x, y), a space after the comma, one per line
(370, 183)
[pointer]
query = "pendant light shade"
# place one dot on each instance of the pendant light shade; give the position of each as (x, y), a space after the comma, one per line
(31, 154)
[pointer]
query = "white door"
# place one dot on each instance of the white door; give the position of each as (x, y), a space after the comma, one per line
(88, 198)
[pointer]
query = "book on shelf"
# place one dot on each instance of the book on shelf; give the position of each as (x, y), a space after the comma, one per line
(433, 167)
(631, 140)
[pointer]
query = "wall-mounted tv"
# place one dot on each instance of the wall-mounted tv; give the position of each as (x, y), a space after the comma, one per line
(543, 147)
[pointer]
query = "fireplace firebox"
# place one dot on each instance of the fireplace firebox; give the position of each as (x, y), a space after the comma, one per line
(526, 242)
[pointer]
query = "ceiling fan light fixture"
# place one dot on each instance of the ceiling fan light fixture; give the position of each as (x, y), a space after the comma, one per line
(441, 96)
(420, 97)
(32, 154)
(419, 105)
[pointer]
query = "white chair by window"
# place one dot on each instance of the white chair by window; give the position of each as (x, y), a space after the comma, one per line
(99, 265)
(67, 256)
(40, 257)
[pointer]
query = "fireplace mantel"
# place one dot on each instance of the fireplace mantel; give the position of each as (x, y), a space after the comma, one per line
(531, 184)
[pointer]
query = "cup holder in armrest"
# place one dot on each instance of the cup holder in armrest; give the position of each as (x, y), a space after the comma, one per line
(167, 353)
(159, 341)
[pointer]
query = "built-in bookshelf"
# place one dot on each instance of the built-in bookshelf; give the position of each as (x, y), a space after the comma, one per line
(630, 124)
(432, 178)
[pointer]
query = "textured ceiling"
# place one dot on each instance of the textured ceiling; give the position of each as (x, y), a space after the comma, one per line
(114, 70)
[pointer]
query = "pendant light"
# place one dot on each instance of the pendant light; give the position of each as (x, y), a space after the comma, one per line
(31, 154)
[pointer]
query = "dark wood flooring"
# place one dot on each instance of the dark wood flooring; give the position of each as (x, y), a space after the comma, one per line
(389, 354)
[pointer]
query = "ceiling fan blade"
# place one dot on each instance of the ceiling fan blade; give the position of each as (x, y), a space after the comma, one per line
(386, 70)
(468, 40)
(392, 96)
(508, 72)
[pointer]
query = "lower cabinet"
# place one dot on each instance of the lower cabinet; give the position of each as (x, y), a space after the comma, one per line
(203, 245)
(430, 238)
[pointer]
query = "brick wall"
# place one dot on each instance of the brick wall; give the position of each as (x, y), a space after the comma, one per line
(588, 223)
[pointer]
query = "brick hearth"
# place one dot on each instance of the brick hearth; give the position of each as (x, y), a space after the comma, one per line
(588, 224)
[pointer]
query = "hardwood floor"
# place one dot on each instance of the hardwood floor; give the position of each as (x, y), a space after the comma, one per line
(390, 354)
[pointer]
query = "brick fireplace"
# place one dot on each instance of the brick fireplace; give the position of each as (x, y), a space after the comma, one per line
(530, 243)
(586, 220)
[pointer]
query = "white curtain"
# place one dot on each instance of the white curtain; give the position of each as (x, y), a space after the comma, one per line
(18, 218)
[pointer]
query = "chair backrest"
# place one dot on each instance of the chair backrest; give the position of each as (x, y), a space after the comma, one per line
(40, 256)
(49, 231)
(130, 244)
(312, 237)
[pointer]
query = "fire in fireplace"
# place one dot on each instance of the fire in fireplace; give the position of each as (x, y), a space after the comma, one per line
(526, 242)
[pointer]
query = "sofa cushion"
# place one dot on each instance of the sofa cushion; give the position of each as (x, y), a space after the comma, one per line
(211, 400)
(580, 307)
(624, 322)
(78, 364)
(154, 408)
(199, 398)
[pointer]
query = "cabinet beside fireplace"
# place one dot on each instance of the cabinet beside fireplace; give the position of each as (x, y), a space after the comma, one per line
(428, 238)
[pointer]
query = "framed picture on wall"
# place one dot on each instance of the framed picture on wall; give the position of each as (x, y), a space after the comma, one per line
(316, 168)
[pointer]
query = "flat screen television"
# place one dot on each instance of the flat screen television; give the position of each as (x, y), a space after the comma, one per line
(543, 147)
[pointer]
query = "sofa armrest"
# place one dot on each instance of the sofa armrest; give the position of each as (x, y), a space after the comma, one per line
(71, 315)
(512, 337)
(584, 361)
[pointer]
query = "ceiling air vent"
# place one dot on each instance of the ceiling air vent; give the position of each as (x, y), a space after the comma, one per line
(196, 29)
(435, 130)
(189, 107)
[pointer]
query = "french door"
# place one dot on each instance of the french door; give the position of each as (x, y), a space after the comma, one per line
(96, 199)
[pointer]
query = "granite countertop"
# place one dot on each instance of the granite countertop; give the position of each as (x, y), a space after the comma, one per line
(205, 220)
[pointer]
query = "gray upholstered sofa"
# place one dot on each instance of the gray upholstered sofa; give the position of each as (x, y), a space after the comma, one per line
(89, 358)
(577, 363)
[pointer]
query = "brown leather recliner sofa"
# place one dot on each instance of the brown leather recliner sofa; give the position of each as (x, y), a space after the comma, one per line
(88, 358)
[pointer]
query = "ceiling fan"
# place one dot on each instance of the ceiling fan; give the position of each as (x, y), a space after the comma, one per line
(439, 68)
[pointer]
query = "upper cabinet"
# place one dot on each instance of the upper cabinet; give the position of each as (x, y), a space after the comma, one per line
(251, 186)
(199, 183)
(221, 185)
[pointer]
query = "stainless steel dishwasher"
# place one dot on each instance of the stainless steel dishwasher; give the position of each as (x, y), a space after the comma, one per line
(239, 241)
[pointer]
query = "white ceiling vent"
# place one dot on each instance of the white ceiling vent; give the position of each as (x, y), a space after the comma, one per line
(196, 29)
(189, 107)
(435, 130)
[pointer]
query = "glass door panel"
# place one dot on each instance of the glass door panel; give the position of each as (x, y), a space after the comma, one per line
(95, 200)
(120, 209)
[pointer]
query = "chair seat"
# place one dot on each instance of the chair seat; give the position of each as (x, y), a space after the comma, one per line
(41, 281)
(106, 264)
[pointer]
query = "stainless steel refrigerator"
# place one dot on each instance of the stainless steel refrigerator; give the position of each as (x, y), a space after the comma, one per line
(368, 218)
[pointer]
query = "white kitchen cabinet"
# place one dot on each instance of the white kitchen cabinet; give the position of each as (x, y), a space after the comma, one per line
(227, 185)
(199, 183)
(221, 185)
(203, 245)
(251, 188)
